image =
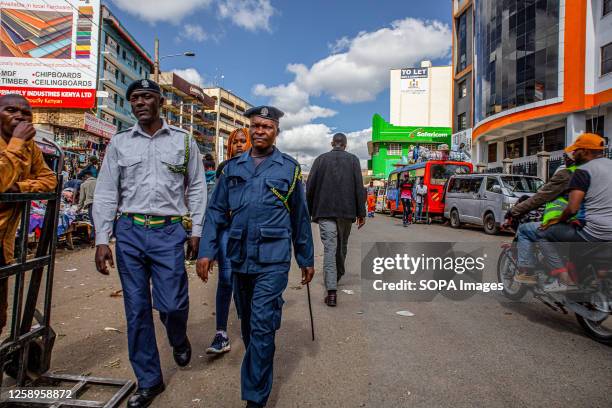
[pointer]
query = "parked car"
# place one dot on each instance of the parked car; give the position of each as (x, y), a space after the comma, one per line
(484, 199)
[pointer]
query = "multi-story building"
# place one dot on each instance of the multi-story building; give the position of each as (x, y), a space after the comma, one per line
(420, 109)
(123, 60)
(185, 105)
(530, 75)
(421, 96)
(228, 114)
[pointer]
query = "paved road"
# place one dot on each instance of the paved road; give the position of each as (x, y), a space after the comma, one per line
(459, 354)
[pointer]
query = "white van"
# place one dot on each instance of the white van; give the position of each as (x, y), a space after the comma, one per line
(484, 199)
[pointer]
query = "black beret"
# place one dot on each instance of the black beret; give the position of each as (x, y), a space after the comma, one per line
(142, 85)
(266, 112)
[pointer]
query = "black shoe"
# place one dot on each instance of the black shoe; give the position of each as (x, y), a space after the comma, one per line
(330, 299)
(143, 397)
(251, 404)
(182, 355)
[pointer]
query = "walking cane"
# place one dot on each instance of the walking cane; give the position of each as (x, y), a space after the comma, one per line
(310, 310)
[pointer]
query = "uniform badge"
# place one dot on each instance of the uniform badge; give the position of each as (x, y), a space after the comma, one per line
(144, 83)
(264, 111)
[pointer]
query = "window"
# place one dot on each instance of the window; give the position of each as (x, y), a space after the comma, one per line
(468, 185)
(395, 149)
(606, 59)
(462, 42)
(462, 89)
(461, 122)
(491, 183)
(492, 153)
(607, 7)
(516, 54)
(513, 149)
(595, 125)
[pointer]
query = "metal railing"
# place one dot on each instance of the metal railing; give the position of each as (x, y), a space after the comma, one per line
(529, 168)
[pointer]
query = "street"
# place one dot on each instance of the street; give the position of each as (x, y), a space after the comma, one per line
(449, 354)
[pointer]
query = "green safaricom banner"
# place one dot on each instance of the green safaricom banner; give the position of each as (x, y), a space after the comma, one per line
(391, 143)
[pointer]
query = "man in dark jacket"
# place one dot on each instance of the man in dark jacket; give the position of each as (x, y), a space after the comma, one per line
(336, 199)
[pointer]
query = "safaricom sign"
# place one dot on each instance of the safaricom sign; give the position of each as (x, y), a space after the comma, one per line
(430, 134)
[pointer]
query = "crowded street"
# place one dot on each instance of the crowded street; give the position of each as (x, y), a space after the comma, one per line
(493, 354)
(258, 203)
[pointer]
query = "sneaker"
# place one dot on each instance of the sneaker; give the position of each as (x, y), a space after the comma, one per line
(219, 345)
(525, 279)
(558, 286)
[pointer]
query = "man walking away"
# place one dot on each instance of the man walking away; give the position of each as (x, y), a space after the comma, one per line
(22, 170)
(336, 198)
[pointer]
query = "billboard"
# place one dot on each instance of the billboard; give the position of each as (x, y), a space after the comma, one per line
(49, 51)
(415, 80)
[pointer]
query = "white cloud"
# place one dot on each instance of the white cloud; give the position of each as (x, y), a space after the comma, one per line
(190, 75)
(305, 115)
(252, 15)
(193, 32)
(288, 97)
(306, 142)
(161, 10)
(361, 71)
(340, 45)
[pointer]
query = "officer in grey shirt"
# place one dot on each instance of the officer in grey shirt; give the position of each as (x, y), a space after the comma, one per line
(152, 173)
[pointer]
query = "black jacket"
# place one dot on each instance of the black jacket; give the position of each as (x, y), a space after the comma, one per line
(335, 187)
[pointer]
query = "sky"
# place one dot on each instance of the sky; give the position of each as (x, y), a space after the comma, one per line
(324, 63)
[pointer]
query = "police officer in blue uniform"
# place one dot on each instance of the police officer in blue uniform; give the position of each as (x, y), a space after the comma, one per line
(152, 174)
(260, 199)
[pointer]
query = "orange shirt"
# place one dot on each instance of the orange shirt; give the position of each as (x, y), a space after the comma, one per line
(21, 163)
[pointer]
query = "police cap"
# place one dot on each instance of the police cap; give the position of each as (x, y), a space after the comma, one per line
(266, 112)
(142, 85)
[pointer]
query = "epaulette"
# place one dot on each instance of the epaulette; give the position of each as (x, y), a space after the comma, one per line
(177, 129)
(291, 159)
(124, 131)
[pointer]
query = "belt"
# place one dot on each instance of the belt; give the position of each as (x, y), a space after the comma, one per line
(153, 221)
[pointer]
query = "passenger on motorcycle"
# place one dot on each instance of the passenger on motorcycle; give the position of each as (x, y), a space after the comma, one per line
(530, 232)
(590, 187)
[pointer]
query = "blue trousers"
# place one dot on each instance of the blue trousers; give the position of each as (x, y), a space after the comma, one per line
(260, 303)
(526, 237)
(156, 256)
(224, 284)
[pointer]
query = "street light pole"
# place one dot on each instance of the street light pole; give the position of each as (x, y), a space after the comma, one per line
(156, 62)
(157, 58)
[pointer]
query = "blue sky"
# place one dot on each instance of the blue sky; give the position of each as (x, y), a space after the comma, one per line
(325, 63)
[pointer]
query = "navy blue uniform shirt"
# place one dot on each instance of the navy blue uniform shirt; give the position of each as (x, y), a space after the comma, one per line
(261, 226)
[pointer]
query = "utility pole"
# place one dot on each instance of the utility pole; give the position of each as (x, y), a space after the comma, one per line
(156, 62)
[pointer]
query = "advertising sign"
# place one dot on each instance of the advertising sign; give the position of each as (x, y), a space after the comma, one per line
(99, 127)
(415, 80)
(49, 51)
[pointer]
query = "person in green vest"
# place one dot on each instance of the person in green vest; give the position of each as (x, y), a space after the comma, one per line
(553, 195)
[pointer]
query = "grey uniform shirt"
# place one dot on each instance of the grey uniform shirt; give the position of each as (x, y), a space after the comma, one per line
(135, 178)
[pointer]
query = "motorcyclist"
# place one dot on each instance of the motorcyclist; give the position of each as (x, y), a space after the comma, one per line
(591, 187)
(530, 232)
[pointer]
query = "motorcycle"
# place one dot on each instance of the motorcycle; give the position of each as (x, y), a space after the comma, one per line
(591, 301)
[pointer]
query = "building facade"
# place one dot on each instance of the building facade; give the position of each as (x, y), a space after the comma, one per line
(421, 96)
(391, 144)
(123, 60)
(185, 106)
(228, 115)
(529, 76)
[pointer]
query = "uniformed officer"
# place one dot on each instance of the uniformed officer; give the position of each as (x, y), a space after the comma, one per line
(260, 198)
(152, 173)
